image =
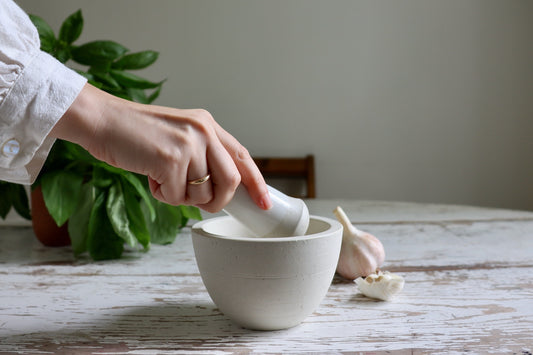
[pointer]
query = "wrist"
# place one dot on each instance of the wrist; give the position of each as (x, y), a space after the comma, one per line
(80, 122)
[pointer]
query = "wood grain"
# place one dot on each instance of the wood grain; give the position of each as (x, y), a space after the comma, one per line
(469, 288)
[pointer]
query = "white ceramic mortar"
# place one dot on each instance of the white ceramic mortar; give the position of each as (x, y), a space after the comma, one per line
(266, 283)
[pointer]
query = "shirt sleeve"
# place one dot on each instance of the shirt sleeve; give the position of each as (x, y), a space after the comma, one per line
(35, 91)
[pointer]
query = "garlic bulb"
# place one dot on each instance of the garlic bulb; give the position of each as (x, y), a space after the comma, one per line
(383, 285)
(361, 253)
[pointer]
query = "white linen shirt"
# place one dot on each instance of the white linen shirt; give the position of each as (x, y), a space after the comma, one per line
(35, 91)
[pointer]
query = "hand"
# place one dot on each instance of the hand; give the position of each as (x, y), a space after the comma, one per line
(170, 146)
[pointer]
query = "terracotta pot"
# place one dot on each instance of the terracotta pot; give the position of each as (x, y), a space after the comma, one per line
(44, 227)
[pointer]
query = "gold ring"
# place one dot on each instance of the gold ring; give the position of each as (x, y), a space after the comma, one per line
(199, 181)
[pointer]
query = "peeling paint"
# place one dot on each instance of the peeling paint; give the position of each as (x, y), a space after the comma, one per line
(467, 290)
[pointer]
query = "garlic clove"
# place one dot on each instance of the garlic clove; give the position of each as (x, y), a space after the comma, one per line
(382, 285)
(361, 252)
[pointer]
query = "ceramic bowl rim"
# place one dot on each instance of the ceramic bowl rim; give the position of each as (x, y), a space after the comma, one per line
(334, 225)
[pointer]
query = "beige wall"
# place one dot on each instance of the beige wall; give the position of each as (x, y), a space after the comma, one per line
(399, 100)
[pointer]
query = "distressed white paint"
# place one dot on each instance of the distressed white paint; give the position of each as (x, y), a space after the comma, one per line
(469, 287)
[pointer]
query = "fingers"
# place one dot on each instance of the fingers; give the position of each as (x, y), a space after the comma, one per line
(250, 175)
(184, 176)
(225, 177)
(170, 185)
(198, 190)
(190, 189)
(199, 153)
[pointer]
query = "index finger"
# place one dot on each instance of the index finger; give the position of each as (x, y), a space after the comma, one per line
(251, 177)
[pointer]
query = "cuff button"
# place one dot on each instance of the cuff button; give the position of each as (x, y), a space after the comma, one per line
(11, 148)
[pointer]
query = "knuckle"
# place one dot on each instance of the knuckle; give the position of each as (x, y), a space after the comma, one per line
(202, 115)
(169, 156)
(203, 201)
(200, 126)
(175, 202)
(161, 154)
(210, 208)
(233, 180)
(171, 198)
(186, 140)
(242, 153)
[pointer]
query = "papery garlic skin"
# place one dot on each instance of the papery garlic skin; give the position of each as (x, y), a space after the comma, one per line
(383, 285)
(361, 252)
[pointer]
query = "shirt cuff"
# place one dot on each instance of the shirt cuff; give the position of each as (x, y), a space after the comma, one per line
(40, 97)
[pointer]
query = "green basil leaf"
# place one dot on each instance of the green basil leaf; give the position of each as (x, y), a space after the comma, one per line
(118, 93)
(101, 177)
(130, 80)
(78, 223)
(136, 217)
(137, 60)
(112, 169)
(75, 153)
(105, 79)
(71, 28)
(103, 67)
(87, 76)
(167, 224)
(46, 34)
(95, 83)
(117, 214)
(98, 52)
(137, 95)
(5, 200)
(155, 94)
(5, 207)
(137, 185)
(61, 190)
(14, 195)
(19, 199)
(63, 55)
(68, 156)
(102, 241)
(91, 78)
(191, 212)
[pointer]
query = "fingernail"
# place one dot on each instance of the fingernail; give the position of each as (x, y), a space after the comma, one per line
(265, 202)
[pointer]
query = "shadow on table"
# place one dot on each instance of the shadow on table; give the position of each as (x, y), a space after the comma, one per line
(164, 326)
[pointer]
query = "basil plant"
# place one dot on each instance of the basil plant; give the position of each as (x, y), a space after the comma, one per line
(106, 207)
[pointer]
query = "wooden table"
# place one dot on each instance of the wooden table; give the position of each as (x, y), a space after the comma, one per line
(469, 287)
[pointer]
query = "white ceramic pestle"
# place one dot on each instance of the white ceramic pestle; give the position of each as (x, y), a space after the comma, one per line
(288, 216)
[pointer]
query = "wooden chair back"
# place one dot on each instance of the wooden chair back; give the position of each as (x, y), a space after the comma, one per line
(290, 168)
